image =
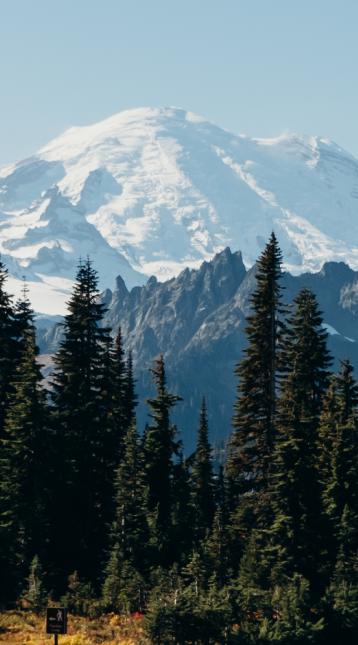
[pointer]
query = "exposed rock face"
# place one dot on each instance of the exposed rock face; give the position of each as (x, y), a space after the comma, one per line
(197, 321)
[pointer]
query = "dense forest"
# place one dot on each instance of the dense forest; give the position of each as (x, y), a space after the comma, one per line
(107, 517)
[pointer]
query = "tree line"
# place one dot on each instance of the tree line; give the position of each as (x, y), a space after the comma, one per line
(262, 549)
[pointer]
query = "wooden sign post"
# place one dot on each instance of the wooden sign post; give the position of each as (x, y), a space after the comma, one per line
(56, 622)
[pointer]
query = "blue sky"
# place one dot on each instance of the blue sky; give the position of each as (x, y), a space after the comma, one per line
(257, 67)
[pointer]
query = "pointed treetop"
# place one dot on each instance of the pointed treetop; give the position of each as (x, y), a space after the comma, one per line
(347, 390)
(160, 380)
(203, 431)
(23, 309)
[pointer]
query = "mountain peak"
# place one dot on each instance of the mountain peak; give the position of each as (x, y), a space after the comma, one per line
(149, 191)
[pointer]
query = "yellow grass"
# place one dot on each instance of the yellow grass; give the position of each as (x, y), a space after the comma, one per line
(25, 628)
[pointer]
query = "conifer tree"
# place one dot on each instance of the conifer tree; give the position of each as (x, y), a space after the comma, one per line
(251, 443)
(342, 593)
(110, 410)
(182, 510)
(24, 486)
(347, 391)
(217, 544)
(120, 416)
(126, 567)
(8, 345)
(35, 596)
(296, 531)
(342, 489)
(24, 317)
(84, 439)
(159, 448)
(327, 433)
(338, 444)
(254, 418)
(130, 397)
(202, 480)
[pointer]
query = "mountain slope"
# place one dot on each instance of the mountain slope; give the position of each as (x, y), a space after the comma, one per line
(150, 191)
(197, 321)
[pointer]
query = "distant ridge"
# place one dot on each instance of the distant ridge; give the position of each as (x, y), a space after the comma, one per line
(197, 320)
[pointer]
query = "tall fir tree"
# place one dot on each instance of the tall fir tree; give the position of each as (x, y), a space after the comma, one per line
(120, 416)
(24, 317)
(254, 417)
(24, 486)
(123, 586)
(251, 444)
(8, 343)
(84, 435)
(338, 445)
(327, 433)
(34, 596)
(182, 511)
(130, 397)
(342, 593)
(217, 544)
(296, 532)
(160, 446)
(202, 480)
(347, 391)
(111, 421)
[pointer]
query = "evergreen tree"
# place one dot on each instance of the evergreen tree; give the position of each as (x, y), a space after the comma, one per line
(129, 534)
(84, 435)
(292, 619)
(24, 486)
(347, 391)
(182, 510)
(79, 596)
(119, 411)
(197, 572)
(130, 526)
(305, 360)
(23, 318)
(252, 441)
(8, 345)
(110, 420)
(35, 596)
(342, 593)
(130, 397)
(296, 532)
(159, 448)
(327, 433)
(253, 438)
(338, 444)
(202, 481)
(217, 545)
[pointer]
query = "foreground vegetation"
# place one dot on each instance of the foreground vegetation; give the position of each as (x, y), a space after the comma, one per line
(111, 521)
(20, 628)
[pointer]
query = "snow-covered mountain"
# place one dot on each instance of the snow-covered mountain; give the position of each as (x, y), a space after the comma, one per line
(151, 191)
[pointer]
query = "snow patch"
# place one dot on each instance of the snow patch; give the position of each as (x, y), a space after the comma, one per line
(330, 330)
(152, 190)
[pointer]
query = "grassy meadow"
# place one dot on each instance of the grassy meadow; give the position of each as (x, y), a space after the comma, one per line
(25, 628)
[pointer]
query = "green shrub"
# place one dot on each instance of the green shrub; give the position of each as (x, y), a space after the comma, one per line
(35, 596)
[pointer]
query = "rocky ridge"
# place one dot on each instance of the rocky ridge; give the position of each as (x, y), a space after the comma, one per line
(197, 321)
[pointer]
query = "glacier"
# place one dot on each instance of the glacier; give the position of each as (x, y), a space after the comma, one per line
(150, 191)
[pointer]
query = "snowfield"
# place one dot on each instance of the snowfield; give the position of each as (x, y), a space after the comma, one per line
(151, 191)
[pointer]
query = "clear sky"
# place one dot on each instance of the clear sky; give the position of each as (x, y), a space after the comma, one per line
(257, 67)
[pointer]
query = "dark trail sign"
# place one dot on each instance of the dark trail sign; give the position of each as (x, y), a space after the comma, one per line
(56, 620)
